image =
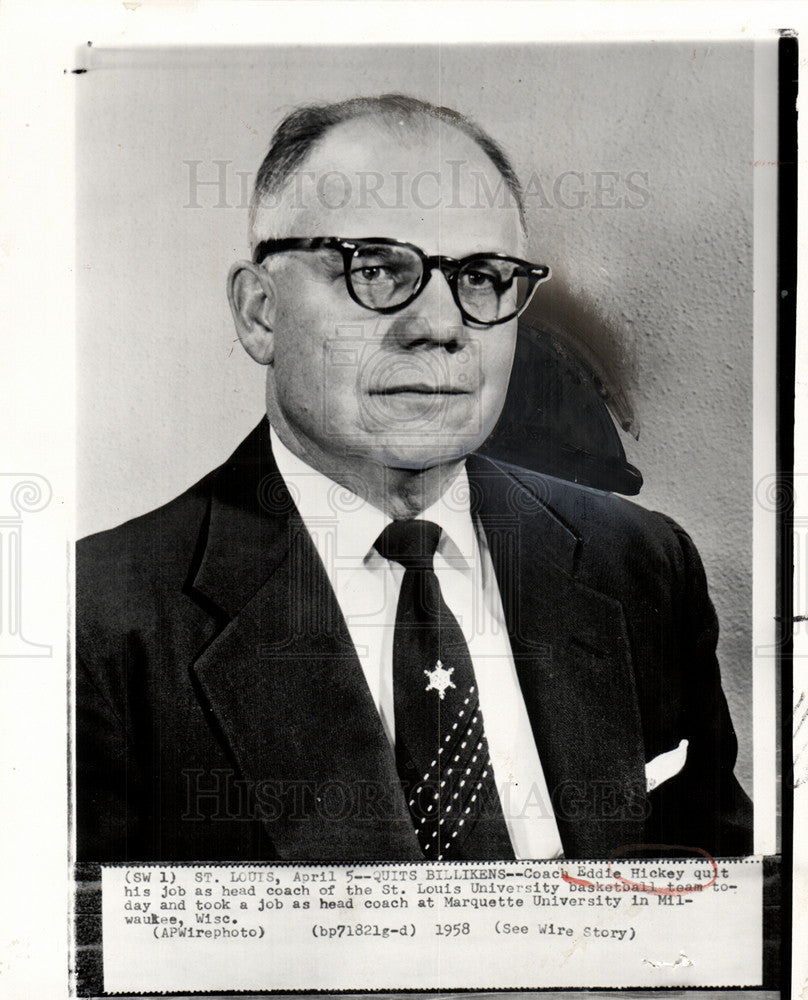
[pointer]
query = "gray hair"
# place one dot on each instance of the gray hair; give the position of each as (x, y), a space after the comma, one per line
(298, 133)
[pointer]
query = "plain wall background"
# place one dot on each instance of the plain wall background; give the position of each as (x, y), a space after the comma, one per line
(166, 391)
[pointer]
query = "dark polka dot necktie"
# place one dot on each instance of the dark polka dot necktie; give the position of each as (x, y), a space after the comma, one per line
(441, 750)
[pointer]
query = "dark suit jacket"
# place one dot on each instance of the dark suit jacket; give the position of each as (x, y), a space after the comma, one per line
(222, 713)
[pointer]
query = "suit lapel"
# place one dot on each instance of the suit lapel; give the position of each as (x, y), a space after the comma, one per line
(284, 683)
(572, 657)
(287, 691)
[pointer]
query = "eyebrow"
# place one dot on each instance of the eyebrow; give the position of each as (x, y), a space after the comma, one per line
(323, 252)
(320, 253)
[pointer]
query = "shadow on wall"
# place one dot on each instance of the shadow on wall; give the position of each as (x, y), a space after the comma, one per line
(568, 381)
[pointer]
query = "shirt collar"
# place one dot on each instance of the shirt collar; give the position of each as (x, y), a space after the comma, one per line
(321, 503)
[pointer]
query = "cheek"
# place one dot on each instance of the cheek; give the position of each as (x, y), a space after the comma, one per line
(298, 361)
(498, 360)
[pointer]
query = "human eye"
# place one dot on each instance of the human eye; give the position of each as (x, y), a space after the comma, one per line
(382, 276)
(370, 274)
(382, 266)
(479, 279)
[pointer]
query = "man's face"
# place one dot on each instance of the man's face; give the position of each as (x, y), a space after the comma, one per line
(415, 388)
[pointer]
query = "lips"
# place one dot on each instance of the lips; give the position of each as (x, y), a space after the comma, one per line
(420, 389)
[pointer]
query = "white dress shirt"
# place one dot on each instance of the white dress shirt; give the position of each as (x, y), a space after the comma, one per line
(344, 529)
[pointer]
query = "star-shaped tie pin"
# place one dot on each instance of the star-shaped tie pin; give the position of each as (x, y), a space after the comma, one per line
(439, 679)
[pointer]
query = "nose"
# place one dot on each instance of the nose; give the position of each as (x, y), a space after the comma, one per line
(433, 319)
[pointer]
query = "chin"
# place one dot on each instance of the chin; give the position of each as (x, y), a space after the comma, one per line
(424, 454)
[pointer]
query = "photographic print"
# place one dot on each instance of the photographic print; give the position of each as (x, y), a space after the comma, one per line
(427, 512)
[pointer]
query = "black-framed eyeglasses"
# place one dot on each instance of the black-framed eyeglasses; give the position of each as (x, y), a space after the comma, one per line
(386, 275)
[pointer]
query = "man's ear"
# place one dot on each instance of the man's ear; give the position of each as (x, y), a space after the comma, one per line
(251, 294)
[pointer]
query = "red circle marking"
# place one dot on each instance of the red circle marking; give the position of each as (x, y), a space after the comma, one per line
(675, 890)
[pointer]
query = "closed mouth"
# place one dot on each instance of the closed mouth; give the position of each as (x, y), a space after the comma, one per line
(420, 390)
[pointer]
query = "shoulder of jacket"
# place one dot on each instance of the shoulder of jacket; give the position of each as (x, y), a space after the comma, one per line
(144, 542)
(584, 506)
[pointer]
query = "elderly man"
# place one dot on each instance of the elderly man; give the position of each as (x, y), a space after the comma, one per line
(356, 639)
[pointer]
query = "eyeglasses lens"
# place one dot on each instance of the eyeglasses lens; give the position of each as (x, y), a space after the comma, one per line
(384, 276)
(488, 289)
